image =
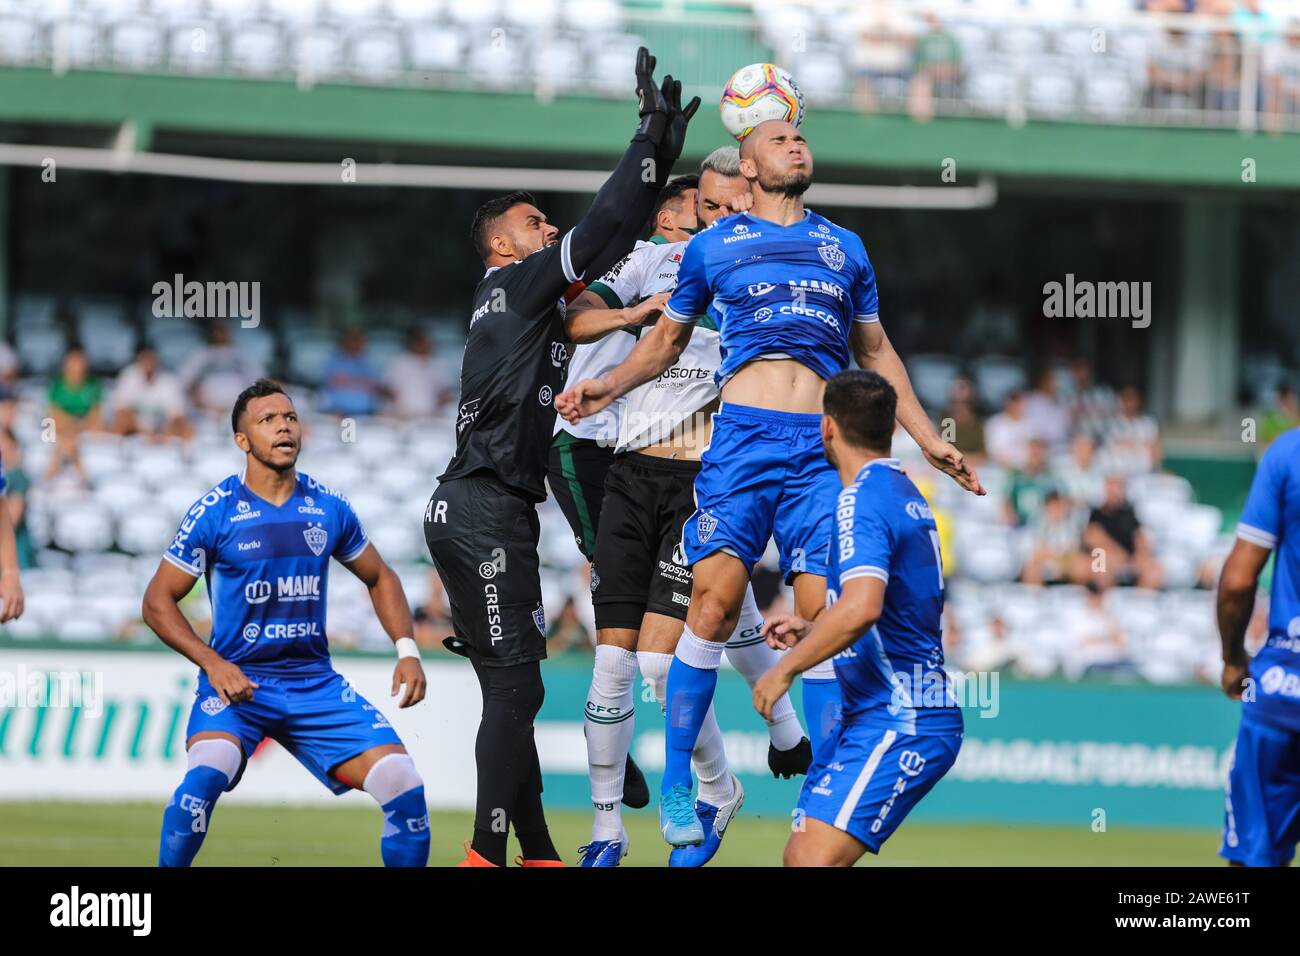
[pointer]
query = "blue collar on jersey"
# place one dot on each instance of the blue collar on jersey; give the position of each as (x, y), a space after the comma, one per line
(893, 463)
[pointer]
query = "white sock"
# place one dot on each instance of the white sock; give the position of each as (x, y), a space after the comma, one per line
(749, 654)
(709, 759)
(608, 726)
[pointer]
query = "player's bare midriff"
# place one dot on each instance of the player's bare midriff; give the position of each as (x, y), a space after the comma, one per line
(782, 385)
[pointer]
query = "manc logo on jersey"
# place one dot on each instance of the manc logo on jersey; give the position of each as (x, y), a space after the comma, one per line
(910, 763)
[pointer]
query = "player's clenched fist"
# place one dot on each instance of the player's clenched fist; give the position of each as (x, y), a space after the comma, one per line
(410, 673)
(770, 688)
(785, 630)
(583, 400)
(230, 682)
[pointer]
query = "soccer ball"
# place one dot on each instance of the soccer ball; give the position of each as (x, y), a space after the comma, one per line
(759, 92)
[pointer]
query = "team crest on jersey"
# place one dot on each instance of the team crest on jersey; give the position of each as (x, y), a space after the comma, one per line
(705, 525)
(316, 538)
(833, 256)
(213, 706)
(539, 618)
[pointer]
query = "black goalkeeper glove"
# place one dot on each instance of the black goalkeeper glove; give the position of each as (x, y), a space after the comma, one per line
(653, 107)
(670, 147)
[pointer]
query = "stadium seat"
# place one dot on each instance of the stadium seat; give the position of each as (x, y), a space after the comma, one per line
(536, 15)
(822, 76)
(19, 39)
(145, 532)
(195, 46)
(990, 87)
(108, 340)
(235, 11)
(932, 377)
(40, 348)
(480, 15)
(1050, 92)
(498, 63)
(1111, 94)
(975, 39)
(559, 64)
(397, 538)
(613, 59)
(1160, 485)
(74, 42)
(80, 526)
(311, 350)
(1023, 40)
(317, 54)
(375, 55)
(594, 16)
(173, 339)
(415, 11)
(997, 377)
(101, 456)
(435, 48)
(295, 14)
(355, 11)
(257, 48)
(136, 44)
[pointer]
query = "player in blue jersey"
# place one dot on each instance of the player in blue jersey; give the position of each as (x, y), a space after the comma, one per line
(1262, 820)
(263, 542)
(794, 296)
(882, 625)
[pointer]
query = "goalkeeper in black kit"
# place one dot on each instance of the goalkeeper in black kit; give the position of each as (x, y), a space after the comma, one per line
(481, 524)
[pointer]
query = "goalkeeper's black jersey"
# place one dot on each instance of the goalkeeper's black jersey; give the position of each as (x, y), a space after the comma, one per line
(515, 362)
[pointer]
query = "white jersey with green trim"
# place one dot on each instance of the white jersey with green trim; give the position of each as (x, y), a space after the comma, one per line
(651, 412)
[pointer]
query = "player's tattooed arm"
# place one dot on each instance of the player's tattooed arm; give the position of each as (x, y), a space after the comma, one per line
(162, 612)
(873, 351)
(590, 320)
(657, 351)
(811, 642)
(1235, 605)
(394, 612)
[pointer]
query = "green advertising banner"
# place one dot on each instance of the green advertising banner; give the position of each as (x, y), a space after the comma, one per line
(1034, 752)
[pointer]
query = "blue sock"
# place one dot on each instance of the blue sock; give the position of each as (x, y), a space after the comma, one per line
(821, 712)
(405, 841)
(186, 818)
(688, 695)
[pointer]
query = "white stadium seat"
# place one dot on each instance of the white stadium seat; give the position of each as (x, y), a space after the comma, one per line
(497, 62)
(74, 42)
(81, 526)
(40, 348)
(559, 64)
(19, 39)
(257, 48)
(595, 16)
(143, 531)
(318, 53)
(195, 46)
(416, 10)
(136, 45)
(435, 48)
(376, 56)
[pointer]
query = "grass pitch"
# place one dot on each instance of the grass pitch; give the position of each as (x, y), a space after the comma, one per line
(126, 834)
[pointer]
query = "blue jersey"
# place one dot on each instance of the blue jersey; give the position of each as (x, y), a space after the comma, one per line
(892, 676)
(777, 291)
(266, 570)
(1271, 519)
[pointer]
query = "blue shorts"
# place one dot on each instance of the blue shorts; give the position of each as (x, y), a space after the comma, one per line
(764, 475)
(873, 779)
(320, 719)
(1262, 805)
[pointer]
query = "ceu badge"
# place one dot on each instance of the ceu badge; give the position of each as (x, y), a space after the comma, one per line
(705, 525)
(316, 538)
(833, 256)
(213, 706)
(539, 618)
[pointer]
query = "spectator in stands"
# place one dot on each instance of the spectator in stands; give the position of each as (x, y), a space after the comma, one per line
(1091, 402)
(433, 617)
(1119, 550)
(353, 385)
(936, 68)
(988, 648)
(1254, 21)
(966, 422)
(566, 632)
(1097, 642)
(1223, 78)
(1029, 485)
(1176, 68)
(1281, 79)
(1283, 416)
(1132, 438)
(1007, 433)
(148, 400)
(882, 57)
(415, 378)
(1053, 537)
(214, 376)
(75, 405)
(1078, 477)
(16, 484)
(1048, 415)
